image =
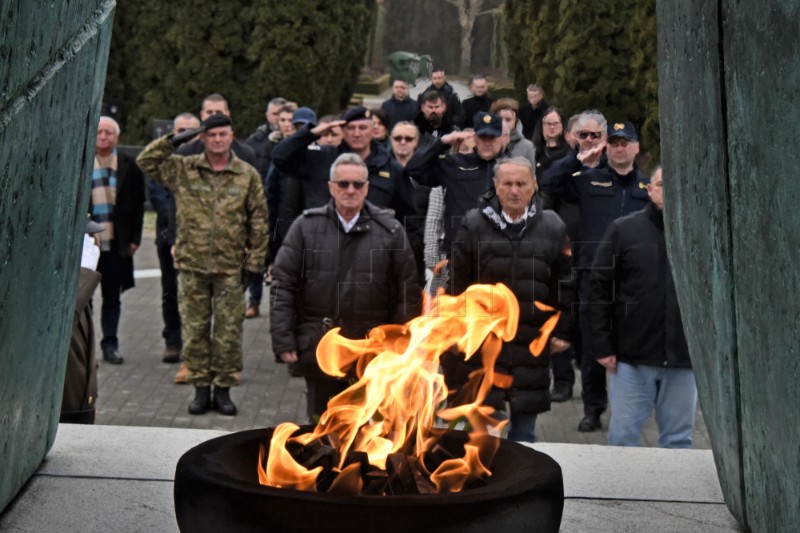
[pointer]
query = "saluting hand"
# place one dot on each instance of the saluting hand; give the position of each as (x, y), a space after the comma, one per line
(457, 136)
(320, 130)
(591, 157)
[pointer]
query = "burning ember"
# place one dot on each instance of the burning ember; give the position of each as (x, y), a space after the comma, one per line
(378, 436)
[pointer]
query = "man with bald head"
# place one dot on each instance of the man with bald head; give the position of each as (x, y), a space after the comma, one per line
(117, 203)
(164, 204)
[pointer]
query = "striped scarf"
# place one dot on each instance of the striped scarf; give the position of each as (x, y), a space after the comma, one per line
(104, 196)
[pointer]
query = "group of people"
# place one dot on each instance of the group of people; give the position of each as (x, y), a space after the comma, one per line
(348, 218)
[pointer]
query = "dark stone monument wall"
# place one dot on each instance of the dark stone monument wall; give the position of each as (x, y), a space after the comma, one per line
(53, 58)
(730, 105)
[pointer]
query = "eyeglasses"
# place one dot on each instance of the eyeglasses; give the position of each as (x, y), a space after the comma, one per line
(583, 135)
(403, 139)
(345, 184)
(552, 124)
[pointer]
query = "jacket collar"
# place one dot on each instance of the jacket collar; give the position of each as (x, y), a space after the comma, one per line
(489, 204)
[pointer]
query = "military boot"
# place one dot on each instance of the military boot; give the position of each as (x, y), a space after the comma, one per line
(201, 402)
(223, 402)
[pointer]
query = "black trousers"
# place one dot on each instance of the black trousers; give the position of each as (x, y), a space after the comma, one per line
(169, 297)
(318, 391)
(593, 374)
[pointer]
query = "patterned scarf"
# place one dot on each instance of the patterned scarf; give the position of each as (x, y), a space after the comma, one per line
(104, 196)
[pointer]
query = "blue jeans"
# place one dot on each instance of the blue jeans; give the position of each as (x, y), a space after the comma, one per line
(522, 426)
(636, 390)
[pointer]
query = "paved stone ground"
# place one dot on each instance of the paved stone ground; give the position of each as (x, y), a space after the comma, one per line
(141, 391)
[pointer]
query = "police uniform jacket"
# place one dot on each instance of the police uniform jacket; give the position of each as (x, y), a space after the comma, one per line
(602, 196)
(358, 280)
(465, 176)
(529, 259)
(219, 214)
(389, 187)
(642, 324)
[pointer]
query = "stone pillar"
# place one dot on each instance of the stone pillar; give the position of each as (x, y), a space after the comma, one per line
(53, 58)
(730, 109)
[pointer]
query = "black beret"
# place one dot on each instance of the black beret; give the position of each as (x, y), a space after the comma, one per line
(357, 113)
(216, 120)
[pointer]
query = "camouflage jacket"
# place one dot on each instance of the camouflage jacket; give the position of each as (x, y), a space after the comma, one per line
(221, 216)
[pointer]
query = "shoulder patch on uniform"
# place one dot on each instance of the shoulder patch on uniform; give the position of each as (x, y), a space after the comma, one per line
(442, 156)
(578, 173)
(642, 185)
(314, 147)
(384, 174)
(601, 183)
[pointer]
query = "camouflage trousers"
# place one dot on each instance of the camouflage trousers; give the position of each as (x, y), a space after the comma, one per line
(212, 312)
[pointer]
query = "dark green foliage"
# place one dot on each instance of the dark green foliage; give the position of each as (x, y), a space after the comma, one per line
(165, 57)
(599, 54)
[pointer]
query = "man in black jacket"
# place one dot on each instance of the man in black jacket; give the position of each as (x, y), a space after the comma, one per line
(603, 194)
(117, 203)
(479, 101)
(455, 111)
(510, 239)
(347, 264)
(639, 336)
(164, 203)
(400, 106)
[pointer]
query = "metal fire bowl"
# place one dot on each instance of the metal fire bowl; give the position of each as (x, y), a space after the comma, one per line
(217, 490)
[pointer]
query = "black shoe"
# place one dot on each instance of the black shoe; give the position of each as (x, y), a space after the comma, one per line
(112, 356)
(562, 392)
(223, 402)
(172, 354)
(201, 402)
(589, 423)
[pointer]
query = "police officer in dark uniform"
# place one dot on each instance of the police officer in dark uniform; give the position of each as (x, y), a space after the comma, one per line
(465, 176)
(603, 194)
(389, 187)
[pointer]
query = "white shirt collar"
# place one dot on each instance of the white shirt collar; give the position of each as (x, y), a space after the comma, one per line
(347, 226)
(517, 221)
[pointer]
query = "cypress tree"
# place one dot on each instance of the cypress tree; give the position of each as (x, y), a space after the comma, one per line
(599, 54)
(165, 57)
(309, 51)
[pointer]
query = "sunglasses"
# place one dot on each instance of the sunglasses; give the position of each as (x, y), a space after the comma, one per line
(345, 184)
(403, 139)
(583, 135)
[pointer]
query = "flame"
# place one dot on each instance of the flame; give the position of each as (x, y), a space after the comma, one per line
(283, 470)
(393, 406)
(539, 343)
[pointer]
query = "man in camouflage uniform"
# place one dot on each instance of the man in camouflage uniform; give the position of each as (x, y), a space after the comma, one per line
(221, 240)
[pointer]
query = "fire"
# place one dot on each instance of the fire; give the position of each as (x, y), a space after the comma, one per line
(399, 393)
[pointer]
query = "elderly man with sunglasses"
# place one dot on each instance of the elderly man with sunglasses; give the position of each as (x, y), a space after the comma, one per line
(346, 264)
(611, 189)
